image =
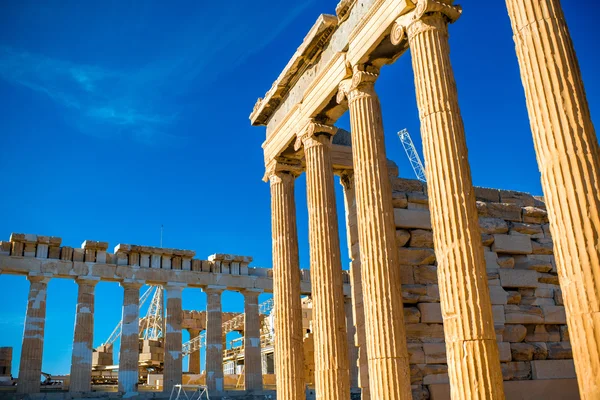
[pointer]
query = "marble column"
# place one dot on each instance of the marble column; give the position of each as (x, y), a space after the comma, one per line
(83, 338)
(194, 358)
(289, 351)
(569, 161)
(473, 362)
(252, 364)
(358, 312)
(173, 364)
(389, 372)
(33, 336)
(329, 320)
(214, 339)
(352, 349)
(129, 350)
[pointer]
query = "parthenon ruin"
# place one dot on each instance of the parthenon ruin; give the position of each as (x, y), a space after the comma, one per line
(453, 291)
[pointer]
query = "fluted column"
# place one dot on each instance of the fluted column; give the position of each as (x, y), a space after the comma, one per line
(289, 351)
(33, 336)
(173, 364)
(81, 358)
(214, 339)
(569, 161)
(129, 351)
(329, 321)
(389, 374)
(352, 349)
(358, 312)
(252, 364)
(473, 362)
(194, 358)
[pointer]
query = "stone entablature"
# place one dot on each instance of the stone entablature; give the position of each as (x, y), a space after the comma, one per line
(30, 254)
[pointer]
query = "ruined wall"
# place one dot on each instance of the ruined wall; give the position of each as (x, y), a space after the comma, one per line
(529, 315)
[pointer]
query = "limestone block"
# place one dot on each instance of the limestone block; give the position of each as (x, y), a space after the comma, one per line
(504, 352)
(431, 313)
(546, 229)
(518, 278)
(542, 246)
(487, 194)
(513, 297)
(433, 294)
(415, 219)
(207, 266)
(518, 198)
(435, 353)
(399, 200)
(186, 264)
(523, 314)
(17, 249)
(559, 350)
(415, 256)
(417, 197)
(532, 262)
(176, 262)
(558, 299)
(514, 333)
(535, 215)
(537, 301)
(509, 212)
(527, 229)
(540, 350)
(5, 248)
(78, 255)
(425, 274)
(498, 295)
(548, 278)
(416, 354)
(421, 238)
(552, 369)
(554, 315)
(66, 253)
(412, 315)
(537, 333)
(412, 293)
(506, 262)
(492, 225)
(145, 260)
(498, 314)
(435, 379)
(512, 244)
(406, 274)
(516, 370)
(564, 333)
(487, 240)
(407, 185)
(225, 267)
(54, 252)
(544, 292)
(30, 249)
(402, 237)
(425, 333)
(521, 351)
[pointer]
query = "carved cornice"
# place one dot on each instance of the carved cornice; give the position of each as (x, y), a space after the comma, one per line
(315, 133)
(282, 165)
(363, 80)
(410, 23)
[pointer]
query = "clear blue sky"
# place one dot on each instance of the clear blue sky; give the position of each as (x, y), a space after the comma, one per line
(117, 117)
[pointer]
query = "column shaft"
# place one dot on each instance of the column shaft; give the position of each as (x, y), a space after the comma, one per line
(358, 312)
(569, 160)
(252, 363)
(81, 359)
(331, 350)
(289, 352)
(129, 350)
(473, 362)
(352, 349)
(389, 373)
(33, 337)
(214, 340)
(173, 367)
(194, 358)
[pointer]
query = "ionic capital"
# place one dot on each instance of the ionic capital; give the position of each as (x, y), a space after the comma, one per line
(347, 179)
(429, 14)
(282, 168)
(362, 82)
(315, 134)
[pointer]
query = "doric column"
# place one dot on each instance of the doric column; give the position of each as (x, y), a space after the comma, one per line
(329, 321)
(289, 351)
(214, 339)
(129, 350)
(352, 349)
(569, 160)
(389, 374)
(173, 364)
(194, 358)
(83, 338)
(252, 364)
(358, 312)
(473, 362)
(33, 336)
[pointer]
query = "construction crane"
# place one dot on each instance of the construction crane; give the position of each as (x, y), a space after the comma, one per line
(413, 156)
(151, 326)
(116, 333)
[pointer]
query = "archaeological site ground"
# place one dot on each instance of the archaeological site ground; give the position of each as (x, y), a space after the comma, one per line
(453, 292)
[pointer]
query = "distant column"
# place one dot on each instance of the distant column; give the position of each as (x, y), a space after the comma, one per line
(214, 339)
(173, 367)
(194, 357)
(32, 349)
(252, 365)
(83, 338)
(569, 160)
(389, 371)
(129, 351)
(289, 350)
(352, 349)
(331, 372)
(360, 340)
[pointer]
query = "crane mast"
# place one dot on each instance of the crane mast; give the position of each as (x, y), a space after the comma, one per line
(413, 156)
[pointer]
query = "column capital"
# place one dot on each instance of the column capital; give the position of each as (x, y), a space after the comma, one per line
(424, 17)
(362, 81)
(132, 283)
(41, 278)
(251, 292)
(347, 179)
(214, 289)
(282, 167)
(175, 286)
(87, 280)
(315, 134)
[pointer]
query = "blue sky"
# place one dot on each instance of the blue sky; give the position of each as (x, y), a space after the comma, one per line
(118, 117)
